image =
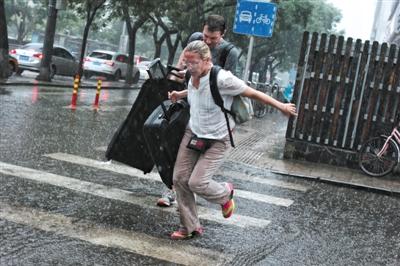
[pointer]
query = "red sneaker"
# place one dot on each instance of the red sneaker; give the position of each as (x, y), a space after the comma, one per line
(167, 199)
(183, 234)
(229, 206)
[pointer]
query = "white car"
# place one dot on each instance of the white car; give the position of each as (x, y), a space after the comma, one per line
(143, 67)
(105, 63)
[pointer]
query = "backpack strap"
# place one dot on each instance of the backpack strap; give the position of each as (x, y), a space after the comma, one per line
(224, 54)
(218, 99)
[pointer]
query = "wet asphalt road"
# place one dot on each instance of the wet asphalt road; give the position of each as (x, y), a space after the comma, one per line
(68, 213)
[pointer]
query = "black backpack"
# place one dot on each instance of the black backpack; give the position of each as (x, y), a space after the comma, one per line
(224, 54)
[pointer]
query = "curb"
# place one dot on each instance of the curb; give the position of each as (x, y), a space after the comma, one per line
(341, 183)
(67, 86)
(322, 179)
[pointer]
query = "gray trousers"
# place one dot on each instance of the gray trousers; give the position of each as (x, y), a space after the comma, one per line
(193, 173)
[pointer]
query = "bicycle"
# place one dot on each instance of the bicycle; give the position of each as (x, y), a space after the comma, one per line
(380, 155)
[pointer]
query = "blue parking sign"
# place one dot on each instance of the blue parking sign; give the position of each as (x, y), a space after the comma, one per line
(255, 18)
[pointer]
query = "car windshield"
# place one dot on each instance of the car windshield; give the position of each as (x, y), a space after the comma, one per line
(101, 55)
(33, 47)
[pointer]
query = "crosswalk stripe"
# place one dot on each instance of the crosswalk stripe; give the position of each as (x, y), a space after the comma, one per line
(136, 242)
(126, 170)
(263, 198)
(121, 195)
(255, 179)
(263, 180)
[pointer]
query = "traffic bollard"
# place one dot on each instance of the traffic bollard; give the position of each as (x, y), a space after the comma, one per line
(96, 99)
(75, 92)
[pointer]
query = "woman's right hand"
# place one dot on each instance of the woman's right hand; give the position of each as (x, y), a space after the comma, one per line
(173, 96)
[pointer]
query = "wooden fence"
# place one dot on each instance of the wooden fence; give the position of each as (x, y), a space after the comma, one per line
(346, 91)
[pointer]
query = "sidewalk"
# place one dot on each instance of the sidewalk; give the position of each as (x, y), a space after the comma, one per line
(28, 79)
(260, 142)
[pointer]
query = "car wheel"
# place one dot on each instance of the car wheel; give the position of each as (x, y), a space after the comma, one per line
(53, 71)
(117, 75)
(136, 77)
(12, 66)
(87, 75)
(19, 72)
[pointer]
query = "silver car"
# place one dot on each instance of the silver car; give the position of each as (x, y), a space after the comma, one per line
(30, 56)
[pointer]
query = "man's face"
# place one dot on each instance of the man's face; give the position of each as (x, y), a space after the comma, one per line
(195, 65)
(211, 38)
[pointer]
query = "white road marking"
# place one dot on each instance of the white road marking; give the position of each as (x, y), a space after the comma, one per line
(139, 243)
(261, 180)
(126, 170)
(101, 148)
(121, 195)
(263, 198)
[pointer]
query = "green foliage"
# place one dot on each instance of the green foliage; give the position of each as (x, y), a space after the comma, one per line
(168, 20)
(24, 17)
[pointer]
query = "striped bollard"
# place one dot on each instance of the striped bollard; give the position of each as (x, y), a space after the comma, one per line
(96, 100)
(75, 92)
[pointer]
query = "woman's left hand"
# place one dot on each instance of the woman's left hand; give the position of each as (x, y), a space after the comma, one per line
(289, 109)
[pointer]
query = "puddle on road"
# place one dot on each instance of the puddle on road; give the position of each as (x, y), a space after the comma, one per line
(4, 91)
(139, 243)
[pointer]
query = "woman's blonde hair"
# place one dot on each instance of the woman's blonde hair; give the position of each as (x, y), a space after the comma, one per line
(200, 48)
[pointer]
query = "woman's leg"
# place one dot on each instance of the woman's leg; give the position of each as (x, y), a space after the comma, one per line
(184, 165)
(201, 181)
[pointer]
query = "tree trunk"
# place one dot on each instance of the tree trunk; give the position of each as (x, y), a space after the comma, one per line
(132, 30)
(5, 70)
(158, 46)
(83, 47)
(157, 42)
(131, 57)
(95, 5)
(48, 42)
(262, 78)
(21, 31)
(172, 51)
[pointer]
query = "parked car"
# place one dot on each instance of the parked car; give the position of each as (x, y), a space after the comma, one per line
(105, 63)
(140, 68)
(140, 58)
(143, 67)
(30, 56)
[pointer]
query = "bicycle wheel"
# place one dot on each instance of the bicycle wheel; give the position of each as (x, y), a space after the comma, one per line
(374, 165)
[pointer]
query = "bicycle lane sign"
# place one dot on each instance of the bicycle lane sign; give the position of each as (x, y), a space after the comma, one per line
(255, 18)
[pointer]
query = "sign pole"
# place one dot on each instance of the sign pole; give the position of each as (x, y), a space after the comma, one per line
(248, 60)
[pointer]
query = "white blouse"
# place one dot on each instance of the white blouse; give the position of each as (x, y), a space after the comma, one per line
(206, 118)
